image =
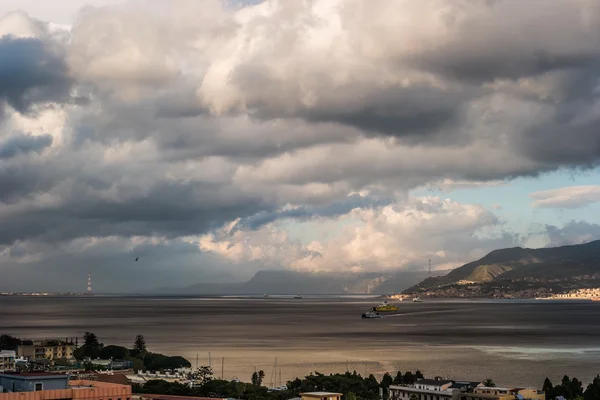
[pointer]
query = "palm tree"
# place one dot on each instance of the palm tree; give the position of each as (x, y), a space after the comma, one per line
(489, 382)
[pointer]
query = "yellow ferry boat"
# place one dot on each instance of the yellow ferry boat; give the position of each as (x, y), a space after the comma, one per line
(385, 307)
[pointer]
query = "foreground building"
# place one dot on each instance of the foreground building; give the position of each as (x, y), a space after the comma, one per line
(438, 389)
(48, 386)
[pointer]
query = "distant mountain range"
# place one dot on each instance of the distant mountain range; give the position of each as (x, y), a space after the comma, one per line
(290, 283)
(565, 263)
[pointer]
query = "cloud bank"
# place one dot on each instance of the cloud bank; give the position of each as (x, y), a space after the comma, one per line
(567, 197)
(174, 119)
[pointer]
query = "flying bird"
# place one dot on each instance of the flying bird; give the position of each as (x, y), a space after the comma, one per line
(137, 258)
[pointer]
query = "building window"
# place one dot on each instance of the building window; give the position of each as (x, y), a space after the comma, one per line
(39, 386)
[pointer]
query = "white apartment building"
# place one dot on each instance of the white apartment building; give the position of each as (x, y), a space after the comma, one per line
(7, 360)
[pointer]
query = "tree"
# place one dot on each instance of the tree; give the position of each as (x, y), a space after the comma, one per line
(91, 347)
(398, 379)
(8, 342)
(140, 345)
(419, 375)
(414, 397)
(114, 352)
(350, 396)
(156, 362)
(90, 340)
(592, 392)
(489, 382)
(548, 389)
(372, 383)
(386, 381)
(576, 388)
(202, 375)
(257, 377)
(409, 378)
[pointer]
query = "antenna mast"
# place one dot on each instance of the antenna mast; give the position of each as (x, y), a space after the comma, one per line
(89, 286)
(430, 268)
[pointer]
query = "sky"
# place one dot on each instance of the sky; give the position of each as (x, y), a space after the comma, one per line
(215, 139)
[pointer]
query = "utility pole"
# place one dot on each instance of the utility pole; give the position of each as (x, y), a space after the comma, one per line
(223, 368)
(209, 360)
(430, 268)
(197, 361)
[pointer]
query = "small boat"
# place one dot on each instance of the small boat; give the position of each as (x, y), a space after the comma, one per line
(371, 314)
(297, 297)
(266, 296)
(385, 307)
(417, 300)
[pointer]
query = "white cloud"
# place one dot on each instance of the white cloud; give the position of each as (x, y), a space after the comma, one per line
(61, 12)
(567, 197)
(400, 235)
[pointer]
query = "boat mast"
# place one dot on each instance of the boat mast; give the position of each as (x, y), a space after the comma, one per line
(273, 380)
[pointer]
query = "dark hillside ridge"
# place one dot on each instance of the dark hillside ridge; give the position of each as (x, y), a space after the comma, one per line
(519, 263)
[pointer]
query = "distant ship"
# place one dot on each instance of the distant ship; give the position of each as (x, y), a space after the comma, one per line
(417, 300)
(385, 307)
(297, 297)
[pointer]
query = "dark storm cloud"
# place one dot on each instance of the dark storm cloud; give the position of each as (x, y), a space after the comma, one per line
(416, 112)
(21, 180)
(570, 133)
(329, 211)
(24, 143)
(476, 67)
(166, 209)
(30, 73)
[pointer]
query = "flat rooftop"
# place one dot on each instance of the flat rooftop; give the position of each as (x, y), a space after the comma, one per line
(320, 394)
(33, 375)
